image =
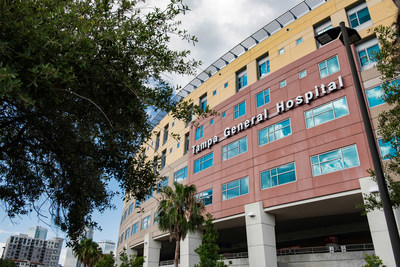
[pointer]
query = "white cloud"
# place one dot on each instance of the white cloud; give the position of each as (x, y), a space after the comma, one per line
(9, 232)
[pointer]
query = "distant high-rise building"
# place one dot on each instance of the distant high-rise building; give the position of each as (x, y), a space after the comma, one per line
(106, 246)
(27, 251)
(70, 259)
(37, 232)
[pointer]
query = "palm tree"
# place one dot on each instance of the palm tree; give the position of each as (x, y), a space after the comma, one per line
(88, 252)
(179, 212)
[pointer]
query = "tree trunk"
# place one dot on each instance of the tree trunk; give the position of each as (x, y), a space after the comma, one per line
(177, 251)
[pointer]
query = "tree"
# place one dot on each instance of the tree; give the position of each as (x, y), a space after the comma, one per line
(76, 80)
(7, 263)
(208, 250)
(108, 260)
(179, 212)
(88, 252)
(132, 261)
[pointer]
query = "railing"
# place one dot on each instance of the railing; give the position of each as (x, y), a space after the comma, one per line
(325, 249)
(230, 256)
(168, 262)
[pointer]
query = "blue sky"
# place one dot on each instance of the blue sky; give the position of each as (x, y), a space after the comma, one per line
(219, 27)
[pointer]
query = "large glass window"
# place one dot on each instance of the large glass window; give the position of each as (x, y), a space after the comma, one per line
(240, 110)
(263, 66)
(145, 223)
(203, 102)
(135, 228)
(203, 163)
(274, 132)
(235, 188)
(235, 148)
(366, 52)
(328, 67)
(387, 150)
(263, 98)
(165, 133)
(180, 175)
(359, 15)
(127, 232)
(241, 78)
(335, 160)
(326, 112)
(375, 96)
(199, 132)
(163, 158)
(157, 141)
(162, 184)
(206, 197)
(130, 208)
(278, 176)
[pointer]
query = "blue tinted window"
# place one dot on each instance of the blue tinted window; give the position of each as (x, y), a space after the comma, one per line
(274, 132)
(206, 197)
(214, 92)
(235, 188)
(240, 110)
(180, 175)
(263, 67)
(225, 85)
(130, 208)
(162, 184)
(199, 132)
(263, 98)
(135, 228)
(375, 96)
(145, 223)
(387, 150)
(335, 160)
(326, 112)
(224, 114)
(299, 41)
(211, 121)
(328, 67)
(203, 163)
(235, 148)
(367, 56)
(359, 17)
(241, 80)
(282, 83)
(277, 176)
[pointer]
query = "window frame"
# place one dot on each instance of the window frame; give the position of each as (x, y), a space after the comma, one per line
(202, 162)
(327, 66)
(313, 116)
(237, 110)
(225, 192)
(261, 61)
(200, 196)
(135, 228)
(163, 159)
(274, 131)
(238, 147)
(384, 144)
(241, 79)
(166, 130)
(271, 171)
(263, 95)
(203, 102)
(145, 222)
(364, 47)
(369, 99)
(178, 174)
(355, 10)
(199, 133)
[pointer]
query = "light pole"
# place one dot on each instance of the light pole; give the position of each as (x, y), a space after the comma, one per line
(349, 36)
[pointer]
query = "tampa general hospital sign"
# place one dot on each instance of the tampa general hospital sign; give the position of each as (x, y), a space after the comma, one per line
(281, 107)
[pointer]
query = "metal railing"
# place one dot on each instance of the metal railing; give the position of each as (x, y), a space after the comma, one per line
(325, 249)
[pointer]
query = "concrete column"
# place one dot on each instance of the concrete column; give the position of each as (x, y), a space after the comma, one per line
(260, 230)
(188, 257)
(377, 225)
(151, 251)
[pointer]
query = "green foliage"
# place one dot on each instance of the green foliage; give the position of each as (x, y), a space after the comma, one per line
(76, 79)
(7, 263)
(179, 212)
(132, 261)
(88, 252)
(208, 250)
(108, 260)
(373, 261)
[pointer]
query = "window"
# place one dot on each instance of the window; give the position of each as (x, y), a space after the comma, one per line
(162, 184)
(186, 148)
(203, 102)
(281, 51)
(149, 195)
(145, 223)
(366, 53)
(211, 121)
(224, 114)
(178, 145)
(359, 15)
(263, 66)
(214, 92)
(226, 85)
(163, 158)
(130, 208)
(328, 67)
(199, 132)
(235, 148)
(127, 233)
(326, 112)
(302, 74)
(190, 116)
(241, 78)
(336, 160)
(263, 98)
(236, 188)
(240, 110)
(203, 163)
(156, 217)
(386, 149)
(278, 176)
(157, 141)
(180, 175)
(138, 203)
(206, 197)
(375, 96)
(125, 214)
(299, 41)
(165, 134)
(274, 132)
(170, 150)
(322, 27)
(135, 228)
(173, 124)
(282, 83)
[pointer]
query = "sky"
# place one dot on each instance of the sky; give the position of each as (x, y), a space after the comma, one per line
(219, 25)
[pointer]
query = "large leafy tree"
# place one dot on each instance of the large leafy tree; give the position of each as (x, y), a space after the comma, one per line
(108, 260)
(76, 79)
(179, 212)
(88, 252)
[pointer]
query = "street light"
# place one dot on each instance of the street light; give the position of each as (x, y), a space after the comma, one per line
(348, 36)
